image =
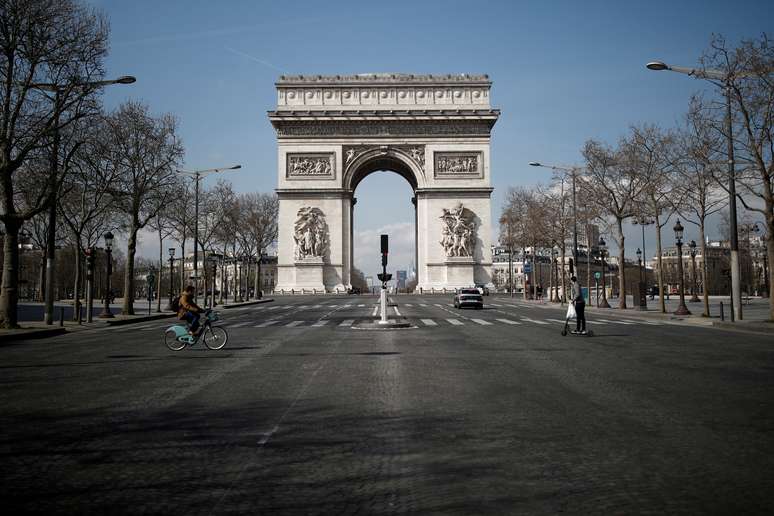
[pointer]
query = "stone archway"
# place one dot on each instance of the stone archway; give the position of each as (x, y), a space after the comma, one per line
(334, 131)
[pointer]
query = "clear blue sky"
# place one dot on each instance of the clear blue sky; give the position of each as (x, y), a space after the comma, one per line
(562, 71)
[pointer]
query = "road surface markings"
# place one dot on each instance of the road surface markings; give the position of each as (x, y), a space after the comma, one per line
(455, 322)
(265, 324)
(376, 309)
(321, 323)
(526, 319)
(437, 304)
(239, 325)
(347, 322)
(508, 321)
(360, 306)
(422, 304)
(556, 321)
(495, 304)
(482, 322)
(396, 311)
(408, 304)
(615, 322)
(429, 322)
(293, 323)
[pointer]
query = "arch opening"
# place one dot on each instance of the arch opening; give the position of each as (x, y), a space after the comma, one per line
(383, 204)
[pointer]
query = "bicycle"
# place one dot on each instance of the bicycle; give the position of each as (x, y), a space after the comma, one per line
(177, 337)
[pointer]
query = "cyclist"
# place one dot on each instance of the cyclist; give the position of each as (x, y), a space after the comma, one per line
(189, 311)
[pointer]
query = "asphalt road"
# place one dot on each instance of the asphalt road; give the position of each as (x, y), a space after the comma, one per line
(468, 412)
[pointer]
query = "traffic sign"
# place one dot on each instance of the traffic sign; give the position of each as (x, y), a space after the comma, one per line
(597, 275)
(527, 268)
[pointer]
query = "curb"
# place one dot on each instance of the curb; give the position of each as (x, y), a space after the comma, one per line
(247, 303)
(24, 334)
(752, 327)
(138, 319)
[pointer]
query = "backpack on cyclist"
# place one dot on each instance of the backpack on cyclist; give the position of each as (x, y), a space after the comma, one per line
(175, 304)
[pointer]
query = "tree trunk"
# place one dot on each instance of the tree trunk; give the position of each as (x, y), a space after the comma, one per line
(705, 292)
(182, 263)
(9, 294)
(258, 278)
(561, 272)
(128, 308)
(621, 266)
(77, 280)
(223, 277)
(770, 253)
(161, 272)
(42, 286)
(661, 303)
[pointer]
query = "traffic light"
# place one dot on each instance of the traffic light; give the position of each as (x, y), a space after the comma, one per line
(89, 252)
(385, 245)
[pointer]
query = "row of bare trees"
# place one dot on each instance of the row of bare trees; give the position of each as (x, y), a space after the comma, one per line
(69, 171)
(655, 174)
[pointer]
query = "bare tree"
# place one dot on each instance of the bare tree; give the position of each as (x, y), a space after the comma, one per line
(612, 184)
(226, 230)
(749, 69)
(261, 212)
(696, 157)
(144, 151)
(164, 226)
(652, 158)
(50, 52)
(85, 204)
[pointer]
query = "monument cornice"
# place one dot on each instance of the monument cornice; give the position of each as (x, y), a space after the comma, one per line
(383, 79)
(383, 114)
(462, 191)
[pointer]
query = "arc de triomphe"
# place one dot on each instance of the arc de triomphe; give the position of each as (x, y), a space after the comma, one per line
(333, 131)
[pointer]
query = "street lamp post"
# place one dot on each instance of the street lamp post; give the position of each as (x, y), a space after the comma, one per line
(57, 90)
(571, 171)
(171, 251)
(724, 80)
(642, 305)
(106, 313)
(213, 261)
(692, 248)
(197, 176)
(682, 309)
(602, 250)
(643, 221)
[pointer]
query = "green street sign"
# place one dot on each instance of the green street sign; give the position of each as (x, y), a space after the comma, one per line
(597, 275)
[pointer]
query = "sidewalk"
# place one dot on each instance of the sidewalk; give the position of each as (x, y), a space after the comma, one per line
(755, 313)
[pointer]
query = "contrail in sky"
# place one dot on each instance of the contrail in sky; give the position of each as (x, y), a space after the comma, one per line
(257, 60)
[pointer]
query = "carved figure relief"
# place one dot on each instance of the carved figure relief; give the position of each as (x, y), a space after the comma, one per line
(310, 165)
(458, 233)
(310, 233)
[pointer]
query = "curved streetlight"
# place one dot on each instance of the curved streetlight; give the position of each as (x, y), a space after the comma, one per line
(724, 80)
(197, 176)
(571, 171)
(57, 90)
(106, 313)
(602, 245)
(692, 251)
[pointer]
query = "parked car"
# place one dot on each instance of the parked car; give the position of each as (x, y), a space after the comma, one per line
(469, 297)
(483, 290)
(354, 290)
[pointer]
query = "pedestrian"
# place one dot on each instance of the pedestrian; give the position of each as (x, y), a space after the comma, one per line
(580, 306)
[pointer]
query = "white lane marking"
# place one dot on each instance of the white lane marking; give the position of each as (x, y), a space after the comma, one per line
(437, 304)
(482, 322)
(429, 322)
(275, 307)
(376, 309)
(360, 306)
(534, 321)
(347, 322)
(321, 323)
(556, 321)
(422, 304)
(397, 312)
(507, 321)
(495, 304)
(265, 324)
(145, 327)
(293, 323)
(346, 306)
(616, 322)
(408, 304)
(455, 322)
(302, 306)
(239, 325)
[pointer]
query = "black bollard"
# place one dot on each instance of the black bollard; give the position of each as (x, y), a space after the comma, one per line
(61, 316)
(722, 315)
